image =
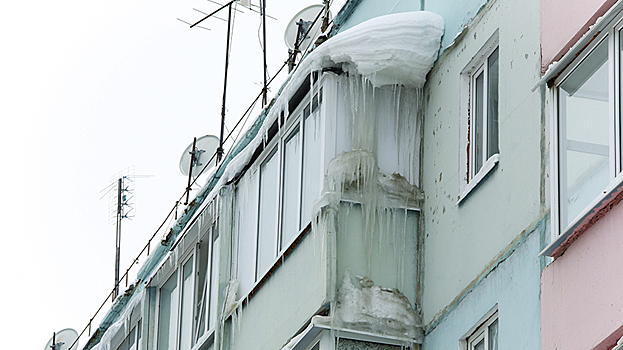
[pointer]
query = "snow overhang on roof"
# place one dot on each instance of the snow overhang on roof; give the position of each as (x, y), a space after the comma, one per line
(556, 68)
(395, 49)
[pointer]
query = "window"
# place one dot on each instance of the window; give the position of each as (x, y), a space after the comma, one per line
(133, 340)
(486, 337)
(480, 96)
(186, 300)
(483, 336)
(206, 286)
(587, 128)
(274, 198)
(484, 114)
(584, 118)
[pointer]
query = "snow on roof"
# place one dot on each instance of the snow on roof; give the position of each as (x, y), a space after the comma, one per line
(395, 49)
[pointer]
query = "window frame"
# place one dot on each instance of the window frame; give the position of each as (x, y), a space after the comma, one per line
(190, 254)
(313, 101)
(137, 329)
(612, 33)
(477, 65)
(480, 331)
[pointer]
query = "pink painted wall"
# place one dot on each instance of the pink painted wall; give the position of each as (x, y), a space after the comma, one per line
(563, 22)
(582, 291)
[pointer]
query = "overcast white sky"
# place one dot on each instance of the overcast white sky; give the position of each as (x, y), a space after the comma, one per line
(89, 88)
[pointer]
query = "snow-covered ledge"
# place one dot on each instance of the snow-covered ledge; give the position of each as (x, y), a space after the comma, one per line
(319, 324)
(395, 49)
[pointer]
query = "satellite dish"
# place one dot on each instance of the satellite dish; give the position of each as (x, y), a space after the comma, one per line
(302, 21)
(205, 148)
(63, 340)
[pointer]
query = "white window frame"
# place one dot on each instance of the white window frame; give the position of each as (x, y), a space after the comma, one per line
(478, 65)
(137, 327)
(178, 308)
(293, 121)
(207, 231)
(612, 34)
(207, 234)
(480, 331)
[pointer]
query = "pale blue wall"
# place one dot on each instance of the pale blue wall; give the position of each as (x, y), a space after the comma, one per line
(367, 9)
(456, 14)
(515, 286)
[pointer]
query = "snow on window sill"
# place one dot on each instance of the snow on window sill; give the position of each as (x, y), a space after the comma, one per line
(484, 171)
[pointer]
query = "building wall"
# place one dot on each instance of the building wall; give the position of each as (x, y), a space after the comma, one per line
(581, 299)
(462, 240)
(563, 22)
(514, 287)
(368, 9)
(456, 15)
(282, 306)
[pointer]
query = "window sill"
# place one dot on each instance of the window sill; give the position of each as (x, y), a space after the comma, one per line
(205, 341)
(484, 171)
(608, 198)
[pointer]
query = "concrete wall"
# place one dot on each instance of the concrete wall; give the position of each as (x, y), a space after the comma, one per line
(282, 306)
(456, 14)
(581, 298)
(460, 241)
(563, 22)
(514, 287)
(389, 260)
(368, 9)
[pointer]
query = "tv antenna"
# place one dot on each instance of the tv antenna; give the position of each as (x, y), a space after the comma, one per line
(67, 339)
(230, 6)
(304, 29)
(121, 205)
(197, 157)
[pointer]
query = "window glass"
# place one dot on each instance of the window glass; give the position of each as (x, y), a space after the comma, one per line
(187, 310)
(478, 121)
(167, 316)
(267, 233)
(246, 228)
(214, 282)
(139, 330)
(492, 104)
(201, 286)
(291, 180)
(493, 335)
(312, 175)
(584, 141)
(480, 345)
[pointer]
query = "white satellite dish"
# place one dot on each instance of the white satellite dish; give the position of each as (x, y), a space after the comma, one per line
(205, 148)
(303, 20)
(63, 340)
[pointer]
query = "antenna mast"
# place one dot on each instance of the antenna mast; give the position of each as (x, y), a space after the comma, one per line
(121, 204)
(264, 92)
(118, 236)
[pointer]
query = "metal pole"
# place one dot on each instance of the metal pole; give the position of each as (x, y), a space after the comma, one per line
(190, 173)
(219, 151)
(264, 91)
(118, 237)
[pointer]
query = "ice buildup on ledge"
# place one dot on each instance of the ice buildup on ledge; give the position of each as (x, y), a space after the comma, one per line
(395, 49)
(375, 309)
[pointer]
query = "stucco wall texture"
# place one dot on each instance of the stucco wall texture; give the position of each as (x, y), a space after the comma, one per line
(581, 292)
(563, 22)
